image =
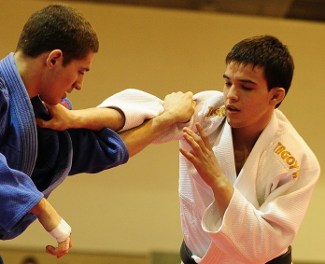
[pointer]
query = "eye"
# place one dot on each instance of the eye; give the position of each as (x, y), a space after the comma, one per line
(228, 84)
(246, 88)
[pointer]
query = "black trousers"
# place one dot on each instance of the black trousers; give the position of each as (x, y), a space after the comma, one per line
(186, 256)
(1, 261)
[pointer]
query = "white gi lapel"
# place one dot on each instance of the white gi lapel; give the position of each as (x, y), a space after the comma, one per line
(249, 174)
(224, 151)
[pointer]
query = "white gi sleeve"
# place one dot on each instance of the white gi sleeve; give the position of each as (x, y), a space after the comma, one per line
(257, 233)
(138, 106)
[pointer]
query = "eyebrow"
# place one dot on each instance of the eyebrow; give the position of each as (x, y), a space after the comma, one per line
(85, 69)
(241, 80)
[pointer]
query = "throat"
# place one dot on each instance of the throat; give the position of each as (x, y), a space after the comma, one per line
(241, 156)
(243, 144)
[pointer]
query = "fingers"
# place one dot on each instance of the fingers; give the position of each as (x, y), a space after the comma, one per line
(193, 104)
(199, 143)
(40, 122)
(62, 234)
(196, 144)
(51, 124)
(202, 135)
(61, 250)
(178, 97)
(193, 140)
(179, 93)
(199, 138)
(58, 119)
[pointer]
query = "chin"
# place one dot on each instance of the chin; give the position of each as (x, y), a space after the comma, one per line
(53, 102)
(234, 124)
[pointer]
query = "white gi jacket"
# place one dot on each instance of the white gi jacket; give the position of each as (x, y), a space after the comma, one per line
(271, 192)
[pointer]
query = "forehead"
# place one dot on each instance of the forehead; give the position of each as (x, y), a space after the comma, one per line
(84, 62)
(238, 69)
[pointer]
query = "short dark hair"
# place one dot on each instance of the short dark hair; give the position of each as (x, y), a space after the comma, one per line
(58, 27)
(268, 52)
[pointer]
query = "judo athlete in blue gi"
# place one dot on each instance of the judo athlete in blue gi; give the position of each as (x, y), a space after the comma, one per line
(56, 48)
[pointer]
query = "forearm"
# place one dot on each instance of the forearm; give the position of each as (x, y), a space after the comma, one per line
(46, 214)
(90, 118)
(138, 138)
(223, 192)
(98, 118)
(55, 225)
(178, 106)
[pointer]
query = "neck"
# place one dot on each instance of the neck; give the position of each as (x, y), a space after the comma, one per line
(243, 142)
(246, 137)
(30, 71)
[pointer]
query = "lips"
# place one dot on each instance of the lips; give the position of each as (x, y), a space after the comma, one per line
(232, 108)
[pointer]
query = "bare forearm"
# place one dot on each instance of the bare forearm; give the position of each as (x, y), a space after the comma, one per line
(98, 118)
(223, 193)
(55, 225)
(90, 118)
(46, 214)
(138, 138)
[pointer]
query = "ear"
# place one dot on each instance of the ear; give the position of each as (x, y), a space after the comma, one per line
(277, 95)
(54, 57)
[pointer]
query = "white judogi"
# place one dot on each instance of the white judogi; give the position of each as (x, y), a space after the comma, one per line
(272, 191)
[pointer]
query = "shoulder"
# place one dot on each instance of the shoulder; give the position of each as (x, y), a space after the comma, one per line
(210, 110)
(290, 149)
(210, 103)
(4, 98)
(212, 96)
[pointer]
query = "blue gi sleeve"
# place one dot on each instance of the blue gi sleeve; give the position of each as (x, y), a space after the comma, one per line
(18, 195)
(96, 151)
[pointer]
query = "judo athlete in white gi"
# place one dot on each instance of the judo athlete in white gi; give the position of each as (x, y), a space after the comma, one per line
(246, 175)
(56, 48)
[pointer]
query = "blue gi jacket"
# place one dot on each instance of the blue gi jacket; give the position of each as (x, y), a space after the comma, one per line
(34, 161)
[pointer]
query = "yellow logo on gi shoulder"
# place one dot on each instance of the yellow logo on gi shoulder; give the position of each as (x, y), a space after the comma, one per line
(288, 158)
(220, 111)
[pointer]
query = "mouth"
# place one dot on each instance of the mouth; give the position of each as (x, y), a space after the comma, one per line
(232, 109)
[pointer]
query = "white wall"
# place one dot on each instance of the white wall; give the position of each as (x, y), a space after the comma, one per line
(134, 208)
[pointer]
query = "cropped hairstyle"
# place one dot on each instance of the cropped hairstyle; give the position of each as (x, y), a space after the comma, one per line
(270, 54)
(58, 27)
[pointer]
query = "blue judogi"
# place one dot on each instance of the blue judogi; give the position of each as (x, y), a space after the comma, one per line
(33, 160)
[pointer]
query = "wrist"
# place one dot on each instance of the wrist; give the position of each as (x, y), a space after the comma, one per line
(165, 119)
(61, 232)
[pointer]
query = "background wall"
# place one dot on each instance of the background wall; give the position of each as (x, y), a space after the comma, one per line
(134, 208)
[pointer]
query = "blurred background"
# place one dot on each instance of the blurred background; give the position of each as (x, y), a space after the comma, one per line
(130, 214)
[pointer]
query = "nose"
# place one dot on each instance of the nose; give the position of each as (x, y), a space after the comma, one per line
(232, 93)
(78, 84)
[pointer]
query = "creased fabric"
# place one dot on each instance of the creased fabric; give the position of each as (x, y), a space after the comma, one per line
(34, 161)
(272, 191)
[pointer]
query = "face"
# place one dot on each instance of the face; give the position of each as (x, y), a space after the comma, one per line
(249, 104)
(60, 79)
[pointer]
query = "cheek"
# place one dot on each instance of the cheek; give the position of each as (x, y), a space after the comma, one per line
(224, 96)
(255, 104)
(80, 79)
(225, 93)
(260, 106)
(70, 80)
